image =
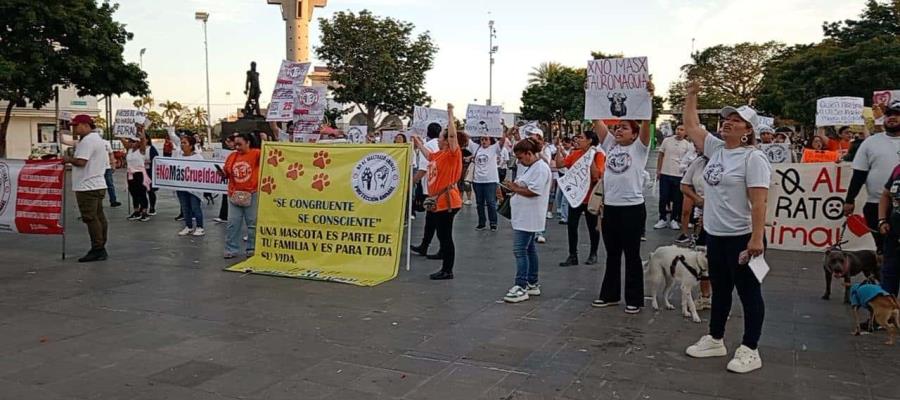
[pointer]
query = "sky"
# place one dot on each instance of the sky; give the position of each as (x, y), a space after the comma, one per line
(528, 33)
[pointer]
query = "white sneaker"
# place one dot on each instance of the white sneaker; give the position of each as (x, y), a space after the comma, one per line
(533, 290)
(540, 239)
(219, 220)
(199, 232)
(549, 215)
(674, 225)
(745, 360)
(516, 295)
(468, 202)
(707, 347)
(186, 231)
(661, 224)
(703, 303)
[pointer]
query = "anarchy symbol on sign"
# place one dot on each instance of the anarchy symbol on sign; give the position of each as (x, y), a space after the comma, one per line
(790, 181)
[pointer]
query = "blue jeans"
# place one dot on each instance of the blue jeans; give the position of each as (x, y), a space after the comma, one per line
(110, 185)
(486, 196)
(237, 217)
(526, 258)
(190, 209)
(562, 205)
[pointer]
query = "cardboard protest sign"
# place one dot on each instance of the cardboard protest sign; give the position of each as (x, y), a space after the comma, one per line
(819, 156)
(576, 183)
(839, 111)
(125, 122)
(617, 88)
(333, 214)
(188, 175)
(290, 78)
(483, 121)
(777, 153)
(424, 116)
(31, 196)
(806, 208)
(880, 100)
(357, 133)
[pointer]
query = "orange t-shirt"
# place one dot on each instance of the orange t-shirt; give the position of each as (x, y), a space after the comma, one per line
(838, 145)
(444, 170)
(599, 160)
(243, 171)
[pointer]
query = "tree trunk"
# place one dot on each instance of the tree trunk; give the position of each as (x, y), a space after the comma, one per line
(370, 117)
(4, 126)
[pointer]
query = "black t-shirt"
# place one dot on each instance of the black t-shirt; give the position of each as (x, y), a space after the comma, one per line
(893, 187)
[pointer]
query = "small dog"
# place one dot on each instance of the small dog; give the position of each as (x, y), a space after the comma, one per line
(676, 263)
(846, 264)
(883, 307)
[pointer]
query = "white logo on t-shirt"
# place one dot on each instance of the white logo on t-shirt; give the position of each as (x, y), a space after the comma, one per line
(713, 173)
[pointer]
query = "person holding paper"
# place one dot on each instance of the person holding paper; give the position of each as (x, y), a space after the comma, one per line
(189, 201)
(736, 186)
(584, 144)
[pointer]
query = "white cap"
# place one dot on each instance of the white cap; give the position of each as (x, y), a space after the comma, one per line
(764, 129)
(531, 129)
(747, 114)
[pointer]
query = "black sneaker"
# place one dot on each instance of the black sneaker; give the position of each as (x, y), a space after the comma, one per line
(144, 217)
(684, 240)
(571, 261)
(591, 260)
(94, 255)
(179, 217)
(134, 216)
(440, 276)
(435, 256)
(420, 250)
(115, 204)
(152, 212)
(493, 228)
(480, 228)
(603, 304)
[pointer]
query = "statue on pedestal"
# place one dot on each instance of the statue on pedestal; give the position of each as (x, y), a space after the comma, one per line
(251, 89)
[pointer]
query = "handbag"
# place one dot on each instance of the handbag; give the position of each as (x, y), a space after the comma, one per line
(430, 204)
(595, 202)
(504, 209)
(470, 171)
(241, 198)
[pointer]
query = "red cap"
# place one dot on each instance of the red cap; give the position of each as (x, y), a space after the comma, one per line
(82, 119)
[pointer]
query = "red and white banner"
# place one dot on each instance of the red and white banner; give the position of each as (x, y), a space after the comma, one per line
(189, 175)
(31, 196)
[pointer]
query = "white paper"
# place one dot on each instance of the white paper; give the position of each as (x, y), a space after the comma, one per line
(617, 88)
(759, 267)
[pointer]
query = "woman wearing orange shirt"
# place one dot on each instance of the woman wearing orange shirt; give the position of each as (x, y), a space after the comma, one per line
(444, 171)
(242, 171)
(583, 142)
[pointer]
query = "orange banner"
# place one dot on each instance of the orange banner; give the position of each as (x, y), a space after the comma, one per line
(818, 156)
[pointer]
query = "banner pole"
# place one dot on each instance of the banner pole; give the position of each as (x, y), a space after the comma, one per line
(64, 213)
(409, 202)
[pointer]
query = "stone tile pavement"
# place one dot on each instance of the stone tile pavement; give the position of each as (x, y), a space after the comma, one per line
(161, 320)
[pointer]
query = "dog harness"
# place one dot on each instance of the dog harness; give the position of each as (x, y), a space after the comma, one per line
(694, 271)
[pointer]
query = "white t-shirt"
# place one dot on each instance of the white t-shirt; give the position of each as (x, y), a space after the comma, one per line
(693, 175)
(92, 175)
(878, 155)
(135, 160)
(622, 184)
(485, 161)
(529, 213)
(431, 145)
(727, 176)
(674, 151)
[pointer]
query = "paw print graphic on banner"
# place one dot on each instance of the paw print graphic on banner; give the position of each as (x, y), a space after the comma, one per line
(268, 185)
(295, 171)
(320, 182)
(275, 157)
(321, 159)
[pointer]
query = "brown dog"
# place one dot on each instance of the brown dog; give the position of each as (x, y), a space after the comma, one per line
(884, 308)
(846, 264)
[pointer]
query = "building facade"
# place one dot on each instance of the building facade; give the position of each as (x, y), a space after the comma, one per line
(30, 127)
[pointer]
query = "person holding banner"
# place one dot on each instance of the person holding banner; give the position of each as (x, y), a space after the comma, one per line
(585, 145)
(816, 153)
(841, 144)
(138, 181)
(872, 166)
(189, 201)
(89, 164)
(736, 186)
(444, 172)
(242, 171)
(530, 198)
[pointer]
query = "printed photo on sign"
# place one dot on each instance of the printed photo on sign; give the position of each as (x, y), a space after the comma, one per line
(357, 133)
(839, 111)
(290, 78)
(484, 121)
(880, 100)
(616, 88)
(424, 116)
(375, 178)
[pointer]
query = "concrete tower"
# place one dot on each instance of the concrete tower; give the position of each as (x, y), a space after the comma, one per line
(297, 15)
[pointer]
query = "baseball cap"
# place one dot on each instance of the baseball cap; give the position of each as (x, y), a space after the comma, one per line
(893, 108)
(745, 112)
(765, 129)
(82, 119)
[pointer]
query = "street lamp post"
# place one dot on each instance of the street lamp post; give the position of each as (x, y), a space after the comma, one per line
(204, 16)
(491, 52)
(142, 58)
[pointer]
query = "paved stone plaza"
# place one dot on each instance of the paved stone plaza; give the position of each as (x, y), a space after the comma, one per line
(161, 320)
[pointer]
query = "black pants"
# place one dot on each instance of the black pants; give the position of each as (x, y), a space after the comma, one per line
(622, 227)
(670, 193)
(223, 210)
(138, 192)
(725, 275)
(870, 211)
(429, 230)
(572, 226)
(151, 195)
(443, 224)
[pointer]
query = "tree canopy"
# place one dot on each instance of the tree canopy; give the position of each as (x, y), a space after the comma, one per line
(74, 43)
(376, 63)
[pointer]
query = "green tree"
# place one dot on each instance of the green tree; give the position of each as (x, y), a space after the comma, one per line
(856, 58)
(47, 44)
(541, 74)
(199, 117)
(144, 103)
(376, 63)
(600, 55)
(560, 99)
(172, 112)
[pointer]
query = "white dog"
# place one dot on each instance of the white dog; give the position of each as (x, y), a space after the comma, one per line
(676, 263)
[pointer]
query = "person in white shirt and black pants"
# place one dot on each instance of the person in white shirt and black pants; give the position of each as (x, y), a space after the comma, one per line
(668, 173)
(89, 165)
(736, 186)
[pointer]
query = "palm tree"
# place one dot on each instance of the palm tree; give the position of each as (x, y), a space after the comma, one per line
(172, 111)
(541, 74)
(199, 117)
(144, 103)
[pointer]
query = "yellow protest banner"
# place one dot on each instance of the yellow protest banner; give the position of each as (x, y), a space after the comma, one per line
(332, 213)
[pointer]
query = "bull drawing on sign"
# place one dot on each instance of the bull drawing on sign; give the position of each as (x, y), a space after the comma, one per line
(617, 105)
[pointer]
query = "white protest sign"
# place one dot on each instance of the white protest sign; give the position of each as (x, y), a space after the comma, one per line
(391, 136)
(357, 133)
(309, 108)
(124, 124)
(576, 183)
(483, 121)
(666, 129)
(805, 211)
(839, 111)
(290, 77)
(777, 153)
(306, 138)
(766, 121)
(424, 116)
(617, 88)
(304, 131)
(880, 100)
